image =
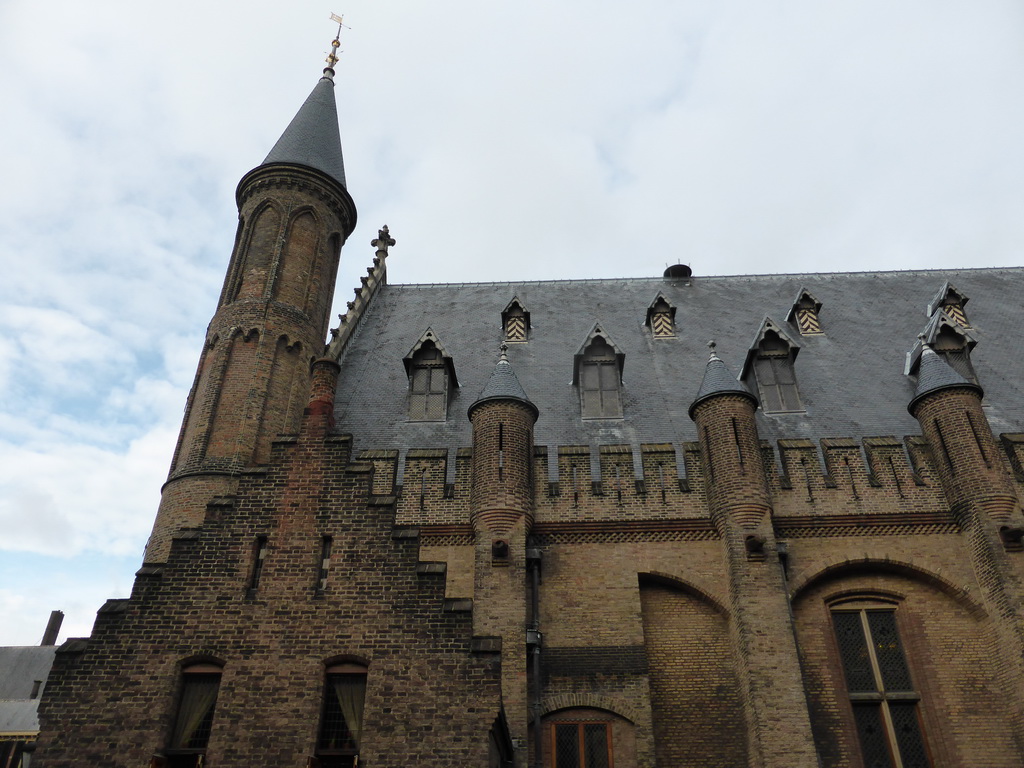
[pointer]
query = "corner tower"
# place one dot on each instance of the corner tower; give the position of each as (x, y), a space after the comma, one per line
(253, 378)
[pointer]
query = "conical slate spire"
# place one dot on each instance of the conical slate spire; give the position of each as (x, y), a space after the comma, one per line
(503, 385)
(312, 137)
(934, 374)
(718, 380)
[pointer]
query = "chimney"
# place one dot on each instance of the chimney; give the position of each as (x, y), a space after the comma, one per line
(52, 628)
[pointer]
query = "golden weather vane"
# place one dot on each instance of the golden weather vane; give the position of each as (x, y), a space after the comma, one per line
(332, 57)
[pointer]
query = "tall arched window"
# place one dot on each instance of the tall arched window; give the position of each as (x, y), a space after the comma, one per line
(428, 385)
(599, 382)
(341, 716)
(878, 683)
(193, 724)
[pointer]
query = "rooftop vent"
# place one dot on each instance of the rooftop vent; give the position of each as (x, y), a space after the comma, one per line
(677, 271)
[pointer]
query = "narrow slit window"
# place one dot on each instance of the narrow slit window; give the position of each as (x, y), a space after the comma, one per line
(325, 563)
(259, 559)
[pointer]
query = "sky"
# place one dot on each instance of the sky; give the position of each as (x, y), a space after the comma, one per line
(499, 141)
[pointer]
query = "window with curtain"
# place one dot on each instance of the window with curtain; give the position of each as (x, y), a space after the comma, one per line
(776, 379)
(599, 382)
(341, 717)
(194, 722)
(878, 684)
(428, 385)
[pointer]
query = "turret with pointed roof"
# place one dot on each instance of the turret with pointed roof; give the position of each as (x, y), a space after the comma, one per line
(294, 215)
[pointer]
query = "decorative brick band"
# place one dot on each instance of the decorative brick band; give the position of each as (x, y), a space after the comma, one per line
(900, 523)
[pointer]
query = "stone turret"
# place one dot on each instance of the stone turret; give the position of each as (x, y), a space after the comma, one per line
(271, 321)
(762, 637)
(979, 489)
(501, 505)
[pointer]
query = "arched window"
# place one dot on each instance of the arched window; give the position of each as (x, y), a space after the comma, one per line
(776, 379)
(193, 724)
(599, 382)
(879, 686)
(341, 716)
(586, 737)
(428, 385)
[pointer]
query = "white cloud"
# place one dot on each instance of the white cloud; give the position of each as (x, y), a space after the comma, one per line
(498, 141)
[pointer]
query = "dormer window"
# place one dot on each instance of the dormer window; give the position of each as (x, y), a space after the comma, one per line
(661, 318)
(431, 379)
(948, 338)
(805, 314)
(952, 302)
(428, 386)
(771, 360)
(515, 321)
(597, 371)
(599, 382)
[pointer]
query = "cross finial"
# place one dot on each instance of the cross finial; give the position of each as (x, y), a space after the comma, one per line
(711, 346)
(503, 358)
(383, 241)
(332, 57)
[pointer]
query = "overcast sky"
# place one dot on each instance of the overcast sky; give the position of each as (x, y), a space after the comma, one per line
(527, 140)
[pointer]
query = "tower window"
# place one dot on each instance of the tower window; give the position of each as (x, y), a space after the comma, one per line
(428, 385)
(884, 702)
(954, 347)
(776, 379)
(599, 382)
(194, 722)
(581, 745)
(341, 716)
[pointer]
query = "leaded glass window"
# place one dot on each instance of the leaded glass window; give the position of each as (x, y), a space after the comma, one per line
(882, 695)
(581, 745)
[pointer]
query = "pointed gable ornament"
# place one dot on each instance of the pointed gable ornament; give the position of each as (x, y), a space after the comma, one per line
(661, 318)
(597, 338)
(770, 338)
(804, 314)
(429, 339)
(952, 302)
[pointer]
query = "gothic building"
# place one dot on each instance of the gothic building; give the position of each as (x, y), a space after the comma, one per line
(540, 524)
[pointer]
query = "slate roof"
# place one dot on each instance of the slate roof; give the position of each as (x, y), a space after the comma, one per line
(312, 138)
(503, 385)
(718, 380)
(20, 667)
(935, 374)
(851, 378)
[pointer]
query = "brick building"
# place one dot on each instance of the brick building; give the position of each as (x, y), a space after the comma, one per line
(537, 523)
